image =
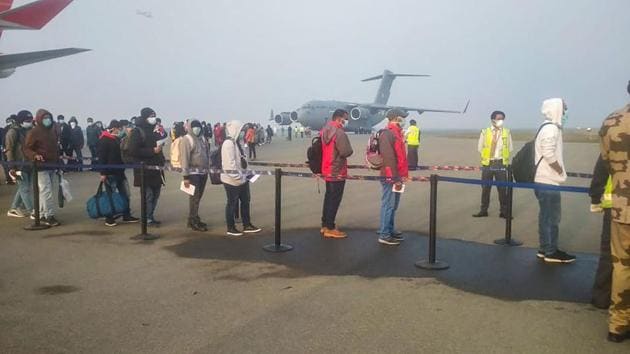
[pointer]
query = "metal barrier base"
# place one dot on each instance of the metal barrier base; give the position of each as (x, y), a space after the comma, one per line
(510, 243)
(145, 237)
(35, 227)
(277, 248)
(427, 265)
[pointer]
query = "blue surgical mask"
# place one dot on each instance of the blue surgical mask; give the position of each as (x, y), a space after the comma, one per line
(565, 118)
(47, 122)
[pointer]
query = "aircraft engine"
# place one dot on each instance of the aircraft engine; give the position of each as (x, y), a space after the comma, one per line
(283, 118)
(294, 116)
(359, 113)
(6, 73)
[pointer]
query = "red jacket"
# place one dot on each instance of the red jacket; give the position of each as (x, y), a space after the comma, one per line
(392, 148)
(336, 149)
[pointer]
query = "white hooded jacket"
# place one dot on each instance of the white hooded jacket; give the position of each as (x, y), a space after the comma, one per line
(549, 143)
(231, 156)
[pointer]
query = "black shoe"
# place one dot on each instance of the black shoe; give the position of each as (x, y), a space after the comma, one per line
(398, 236)
(602, 305)
(110, 222)
(233, 231)
(130, 219)
(50, 221)
(503, 216)
(251, 229)
(618, 338)
(390, 241)
(559, 257)
(481, 214)
(540, 254)
(195, 226)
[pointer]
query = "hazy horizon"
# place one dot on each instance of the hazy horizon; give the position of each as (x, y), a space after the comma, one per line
(222, 60)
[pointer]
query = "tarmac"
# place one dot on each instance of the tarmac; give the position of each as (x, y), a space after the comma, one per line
(85, 287)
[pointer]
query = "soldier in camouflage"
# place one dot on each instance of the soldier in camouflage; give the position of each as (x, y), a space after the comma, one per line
(615, 148)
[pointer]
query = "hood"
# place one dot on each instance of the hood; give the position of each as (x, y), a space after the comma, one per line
(233, 128)
(40, 116)
(142, 122)
(73, 119)
(553, 109)
(329, 131)
(108, 135)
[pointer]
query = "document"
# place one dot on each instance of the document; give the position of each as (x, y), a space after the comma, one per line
(254, 178)
(402, 190)
(190, 190)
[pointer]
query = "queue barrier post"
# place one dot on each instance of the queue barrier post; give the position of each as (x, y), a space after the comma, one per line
(36, 225)
(432, 263)
(508, 240)
(278, 246)
(144, 235)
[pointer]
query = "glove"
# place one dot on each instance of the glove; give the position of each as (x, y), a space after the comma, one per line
(596, 208)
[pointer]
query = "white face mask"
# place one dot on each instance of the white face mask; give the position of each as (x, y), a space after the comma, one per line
(73, 125)
(498, 123)
(27, 125)
(152, 120)
(196, 131)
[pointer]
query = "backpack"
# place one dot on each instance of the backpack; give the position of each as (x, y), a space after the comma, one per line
(124, 146)
(314, 155)
(216, 163)
(524, 165)
(176, 158)
(373, 158)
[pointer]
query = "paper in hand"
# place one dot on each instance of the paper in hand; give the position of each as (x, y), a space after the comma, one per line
(190, 190)
(402, 189)
(254, 178)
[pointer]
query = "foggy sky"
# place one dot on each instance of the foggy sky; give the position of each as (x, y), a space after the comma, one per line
(218, 60)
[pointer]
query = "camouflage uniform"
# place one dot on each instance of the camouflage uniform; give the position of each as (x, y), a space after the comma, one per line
(615, 148)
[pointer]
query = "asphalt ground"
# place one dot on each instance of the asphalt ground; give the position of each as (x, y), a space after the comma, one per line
(85, 287)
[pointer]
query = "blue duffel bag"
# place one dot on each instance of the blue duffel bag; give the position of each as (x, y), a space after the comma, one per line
(107, 203)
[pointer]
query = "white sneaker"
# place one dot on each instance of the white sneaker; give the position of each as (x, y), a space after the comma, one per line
(15, 213)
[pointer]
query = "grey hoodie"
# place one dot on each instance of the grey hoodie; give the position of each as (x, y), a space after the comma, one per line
(231, 156)
(194, 152)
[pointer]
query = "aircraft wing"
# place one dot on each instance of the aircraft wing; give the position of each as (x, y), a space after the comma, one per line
(32, 16)
(12, 61)
(414, 109)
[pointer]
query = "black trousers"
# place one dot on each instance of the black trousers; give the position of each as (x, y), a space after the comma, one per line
(492, 172)
(603, 276)
(412, 157)
(332, 200)
(236, 194)
(199, 181)
(252, 149)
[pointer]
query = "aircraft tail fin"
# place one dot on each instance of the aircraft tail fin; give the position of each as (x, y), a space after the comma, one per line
(387, 79)
(31, 16)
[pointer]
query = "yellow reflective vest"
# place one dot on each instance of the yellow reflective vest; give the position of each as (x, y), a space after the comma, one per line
(607, 197)
(487, 145)
(413, 136)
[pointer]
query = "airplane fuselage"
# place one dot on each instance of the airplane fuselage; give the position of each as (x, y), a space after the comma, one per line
(315, 114)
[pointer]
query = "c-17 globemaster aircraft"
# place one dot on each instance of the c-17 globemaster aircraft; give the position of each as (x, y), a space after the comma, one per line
(363, 116)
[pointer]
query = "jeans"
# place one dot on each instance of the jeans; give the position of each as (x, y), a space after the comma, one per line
(389, 204)
(548, 220)
(252, 150)
(234, 195)
(119, 183)
(46, 201)
(332, 200)
(93, 154)
(492, 173)
(412, 157)
(24, 194)
(153, 195)
(199, 181)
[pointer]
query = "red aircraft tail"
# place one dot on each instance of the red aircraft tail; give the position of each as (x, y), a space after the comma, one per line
(30, 16)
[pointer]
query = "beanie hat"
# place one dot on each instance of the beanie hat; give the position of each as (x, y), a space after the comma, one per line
(146, 112)
(195, 123)
(114, 124)
(24, 116)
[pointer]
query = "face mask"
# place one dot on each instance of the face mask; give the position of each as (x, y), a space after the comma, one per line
(497, 123)
(27, 125)
(196, 131)
(152, 120)
(99, 126)
(565, 118)
(122, 133)
(73, 125)
(47, 122)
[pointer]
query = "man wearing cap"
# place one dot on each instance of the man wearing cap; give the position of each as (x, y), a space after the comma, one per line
(108, 152)
(22, 205)
(394, 172)
(413, 143)
(495, 147)
(143, 147)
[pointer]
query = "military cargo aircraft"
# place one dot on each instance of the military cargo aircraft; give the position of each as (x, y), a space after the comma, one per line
(32, 16)
(363, 116)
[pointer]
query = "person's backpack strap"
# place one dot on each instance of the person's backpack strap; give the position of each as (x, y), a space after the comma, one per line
(535, 138)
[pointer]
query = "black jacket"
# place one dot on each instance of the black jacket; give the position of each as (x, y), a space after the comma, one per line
(76, 138)
(108, 150)
(141, 150)
(600, 178)
(93, 132)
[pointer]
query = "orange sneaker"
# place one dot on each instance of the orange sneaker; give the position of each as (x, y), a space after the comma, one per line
(328, 233)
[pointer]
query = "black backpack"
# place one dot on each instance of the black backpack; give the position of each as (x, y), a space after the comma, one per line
(524, 164)
(314, 155)
(216, 163)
